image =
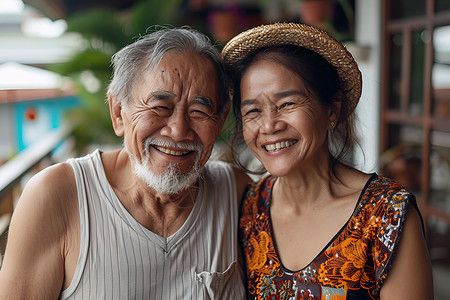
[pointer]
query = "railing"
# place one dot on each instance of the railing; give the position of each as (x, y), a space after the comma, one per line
(12, 172)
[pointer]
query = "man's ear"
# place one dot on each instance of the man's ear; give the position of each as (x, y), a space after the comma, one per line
(115, 111)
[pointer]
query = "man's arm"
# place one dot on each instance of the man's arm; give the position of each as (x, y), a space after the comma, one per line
(34, 262)
(410, 276)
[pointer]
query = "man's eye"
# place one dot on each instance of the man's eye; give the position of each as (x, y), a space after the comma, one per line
(162, 110)
(198, 114)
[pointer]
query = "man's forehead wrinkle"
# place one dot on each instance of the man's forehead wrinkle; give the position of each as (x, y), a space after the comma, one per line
(204, 101)
(162, 94)
(183, 80)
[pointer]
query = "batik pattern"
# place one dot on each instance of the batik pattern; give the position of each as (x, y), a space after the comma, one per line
(353, 265)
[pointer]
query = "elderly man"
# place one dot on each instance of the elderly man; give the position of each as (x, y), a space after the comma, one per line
(152, 220)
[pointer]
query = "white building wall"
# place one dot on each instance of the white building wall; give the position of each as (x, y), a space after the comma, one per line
(7, 131)
(368, 22)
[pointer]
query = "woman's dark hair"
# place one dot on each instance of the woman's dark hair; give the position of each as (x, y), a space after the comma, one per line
(321, 81)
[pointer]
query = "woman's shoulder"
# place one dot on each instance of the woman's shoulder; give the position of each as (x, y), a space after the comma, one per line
(258, 194)
(380, 188)
(264, 184)
(384, 201)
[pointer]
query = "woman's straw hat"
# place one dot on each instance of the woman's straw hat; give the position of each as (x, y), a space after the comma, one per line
(302, 35)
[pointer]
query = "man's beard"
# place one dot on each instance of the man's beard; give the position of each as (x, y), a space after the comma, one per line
(171, 181)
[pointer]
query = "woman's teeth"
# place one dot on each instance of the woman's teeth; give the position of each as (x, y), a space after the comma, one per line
(279, 145)
(171, 152)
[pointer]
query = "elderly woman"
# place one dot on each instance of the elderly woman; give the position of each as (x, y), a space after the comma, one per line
(315, 227)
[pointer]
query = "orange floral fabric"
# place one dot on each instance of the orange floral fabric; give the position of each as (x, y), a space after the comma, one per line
(353, 265)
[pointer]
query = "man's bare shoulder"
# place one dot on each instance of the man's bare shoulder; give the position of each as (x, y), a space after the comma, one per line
(52, 183)
(50, 196)
(43, 221)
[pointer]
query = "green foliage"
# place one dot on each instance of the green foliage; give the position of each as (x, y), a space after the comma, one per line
(340, 34)
(92, 59)
(154, 12)
(100, 25)
(94, 123)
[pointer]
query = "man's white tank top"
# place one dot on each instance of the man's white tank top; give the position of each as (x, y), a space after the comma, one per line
(121, 259)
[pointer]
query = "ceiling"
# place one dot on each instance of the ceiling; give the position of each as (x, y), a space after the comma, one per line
(61, 9)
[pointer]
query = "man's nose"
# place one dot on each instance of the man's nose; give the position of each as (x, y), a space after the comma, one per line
(178, 127)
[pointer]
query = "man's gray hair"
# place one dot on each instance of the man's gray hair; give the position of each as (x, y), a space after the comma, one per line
(130, 62)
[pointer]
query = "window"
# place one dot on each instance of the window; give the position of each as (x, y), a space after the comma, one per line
(415, 113)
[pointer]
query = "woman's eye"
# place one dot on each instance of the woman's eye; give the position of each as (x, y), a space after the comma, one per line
(286, 104)
(251, 111)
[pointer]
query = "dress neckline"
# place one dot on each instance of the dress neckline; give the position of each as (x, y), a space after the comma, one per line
(271, 181)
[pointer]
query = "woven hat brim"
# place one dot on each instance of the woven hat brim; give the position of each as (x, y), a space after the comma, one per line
(302, 35)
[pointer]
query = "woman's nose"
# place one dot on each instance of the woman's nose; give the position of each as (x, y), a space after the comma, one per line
(271, 121)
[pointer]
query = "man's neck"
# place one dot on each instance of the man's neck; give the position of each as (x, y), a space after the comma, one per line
(162, 214)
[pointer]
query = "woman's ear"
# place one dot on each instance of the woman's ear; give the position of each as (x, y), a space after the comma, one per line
(334, 113)
(115, 110)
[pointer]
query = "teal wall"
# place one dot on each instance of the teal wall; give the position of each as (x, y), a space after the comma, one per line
(48, 114)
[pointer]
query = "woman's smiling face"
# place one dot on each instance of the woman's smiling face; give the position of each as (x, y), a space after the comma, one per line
(283, 125)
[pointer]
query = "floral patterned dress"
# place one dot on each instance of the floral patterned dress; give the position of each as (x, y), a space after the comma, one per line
(353, 265)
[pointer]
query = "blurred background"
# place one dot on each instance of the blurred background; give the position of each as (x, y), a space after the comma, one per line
(55, 66)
